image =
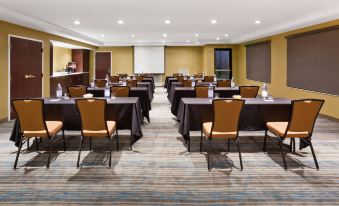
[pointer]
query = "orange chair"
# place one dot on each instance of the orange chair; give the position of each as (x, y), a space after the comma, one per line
(201, 91)
(208, 78)
(180, 78)
(120, 91)
(248, 91)
(225, 124)
(175, 75)
(94, 123)
(132, 83)
(114, 78)
(76, 91)
(303, 116)
(199, 76)
(224, 83)
(187, 83)
(30, 114)
(100, 83)
(139, 78)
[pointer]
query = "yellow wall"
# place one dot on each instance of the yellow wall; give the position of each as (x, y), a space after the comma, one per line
(7, 29)
(61, 57)
(177, 57)
(278, 86)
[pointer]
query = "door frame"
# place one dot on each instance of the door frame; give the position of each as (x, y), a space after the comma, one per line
(95, 52)
(9, 68)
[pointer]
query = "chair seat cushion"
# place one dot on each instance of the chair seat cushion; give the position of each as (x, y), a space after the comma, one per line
(111, 126)
(207, 127)
(279, 129)
(53, 128)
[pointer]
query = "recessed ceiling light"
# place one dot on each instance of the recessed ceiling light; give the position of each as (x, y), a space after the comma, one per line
(121, 21)
(76, 22)
(257, 22)
(218, 38)
(214, 21)
(196, 35)
(132, 35)
(163, 41)
(164, 35)
(188, 41)
(167, 21)
(102, 35)
(226, 35)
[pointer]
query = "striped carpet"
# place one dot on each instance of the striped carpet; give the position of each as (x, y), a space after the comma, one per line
(159, 170)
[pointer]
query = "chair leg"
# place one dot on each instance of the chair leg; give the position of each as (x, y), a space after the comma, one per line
(37, 144)
(50, 151)
(228, 145)
(208, 155)
(18, 153)
(81, 142)
(110, 151)
(282, 153)
(238, 146)
(63, 139)
(313, 153)
(201, 142)
(90, 143)
(265, 138)
(116, 133)
(189, 143)
(293, 139)
(27, 144)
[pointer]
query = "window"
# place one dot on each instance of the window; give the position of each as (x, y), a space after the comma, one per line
(223, 63)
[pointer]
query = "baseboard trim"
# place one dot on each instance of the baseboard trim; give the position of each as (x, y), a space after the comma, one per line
(3, 120)
(328, 117)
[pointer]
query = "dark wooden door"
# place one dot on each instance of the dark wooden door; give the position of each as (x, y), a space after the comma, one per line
(102, 64)
(25, 69)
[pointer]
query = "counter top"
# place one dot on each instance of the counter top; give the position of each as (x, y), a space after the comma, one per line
(62, 74)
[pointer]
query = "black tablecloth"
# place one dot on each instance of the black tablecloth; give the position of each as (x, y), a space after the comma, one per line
(169, 83)
(181, 92)
(179, 84)
(151, 81)
(140, 92)
(126, 111)
(140, 84)
(166, 81)
(256, 112)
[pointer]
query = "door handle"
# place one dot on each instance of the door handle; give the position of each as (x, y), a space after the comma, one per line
(29, 76)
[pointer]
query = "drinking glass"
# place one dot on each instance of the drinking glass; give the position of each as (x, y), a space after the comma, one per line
(216, 96)
(114, 95)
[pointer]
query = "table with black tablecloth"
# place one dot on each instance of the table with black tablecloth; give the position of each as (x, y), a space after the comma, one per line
(166, 81)
(193, 112)
(139, 84)
(126, 111)
(182, 92)
(140, 92)
(179, 84)
(151, 81)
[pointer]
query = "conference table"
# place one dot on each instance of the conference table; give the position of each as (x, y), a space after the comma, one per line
(182, 92)
(193, 112)
(139, 84)
(151, 81)
(140, 92)
(126, 111)
(179, 84)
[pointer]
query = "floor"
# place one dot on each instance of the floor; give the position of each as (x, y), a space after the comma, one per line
(159, 170)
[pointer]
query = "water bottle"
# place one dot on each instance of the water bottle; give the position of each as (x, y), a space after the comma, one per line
(107, 92)
(264, 91)
(193, 83)
(210, 91)
(59, 91)
(107, 78)
(215, 78)
(232, 82)
(92, 83)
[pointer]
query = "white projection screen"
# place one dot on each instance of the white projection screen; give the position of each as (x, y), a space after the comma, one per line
(149, 59)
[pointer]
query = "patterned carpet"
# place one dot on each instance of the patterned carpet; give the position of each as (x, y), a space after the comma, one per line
(159, 170)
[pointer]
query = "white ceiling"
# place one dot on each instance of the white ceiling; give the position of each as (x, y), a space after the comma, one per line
(145, 19)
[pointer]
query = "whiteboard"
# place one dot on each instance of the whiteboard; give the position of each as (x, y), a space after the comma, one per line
(149, 59)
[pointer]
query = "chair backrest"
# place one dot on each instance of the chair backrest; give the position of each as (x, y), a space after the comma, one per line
(120, 91)
(180, 78)
(132, 82)
(114, 78)
(224, 83)
(249, 91)
(208, 78)
(122, 75)
(187, 83)
(76, 91)
(92, 112)
(304, 114)
(100, 83)
(198, 75)
(226, 115)
(139, 78)
(30, 113)
(175, 75)
(201, 91)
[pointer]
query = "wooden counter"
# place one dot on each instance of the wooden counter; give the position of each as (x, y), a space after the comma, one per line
(81, 78)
